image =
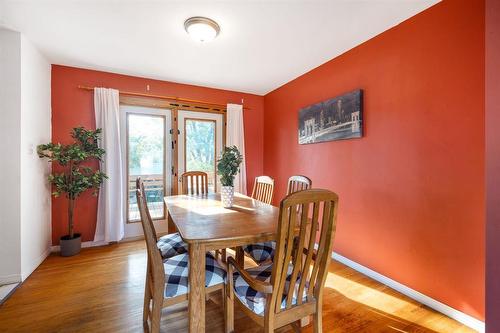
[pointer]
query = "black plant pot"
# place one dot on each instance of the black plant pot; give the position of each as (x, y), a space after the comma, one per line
(70, 246)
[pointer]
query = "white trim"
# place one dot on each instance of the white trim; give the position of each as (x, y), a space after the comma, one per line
(133, 229)
(37, 263)
(459, 316)
(7, 290)
(136, 238)
(9, 279)
(57, 248)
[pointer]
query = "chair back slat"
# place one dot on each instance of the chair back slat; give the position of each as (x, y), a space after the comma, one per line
(297, 233)
(263, 189)
(139, 184)
(194, 182)
(298, 183)
(297, 259)
(320, 252)
(155, 266)
(288, 253)
(325, 245)
(309, 257)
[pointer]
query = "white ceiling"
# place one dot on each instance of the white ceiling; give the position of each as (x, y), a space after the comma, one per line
(262, 44)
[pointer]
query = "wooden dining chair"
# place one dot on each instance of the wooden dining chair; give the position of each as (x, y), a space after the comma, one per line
(264, 252)
(291, 287)
(194, 182)
(167, 279)
(298, 183)
(169, 245)
(263, 189)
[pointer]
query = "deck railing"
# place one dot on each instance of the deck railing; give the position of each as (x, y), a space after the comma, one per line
(154, 188)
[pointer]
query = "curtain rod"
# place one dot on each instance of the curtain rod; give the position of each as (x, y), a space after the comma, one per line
(170, 98)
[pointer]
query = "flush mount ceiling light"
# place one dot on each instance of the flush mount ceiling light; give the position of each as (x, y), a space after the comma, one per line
(201, 29)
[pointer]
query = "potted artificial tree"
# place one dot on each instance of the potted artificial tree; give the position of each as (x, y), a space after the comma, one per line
(228, 166)
(74, 178)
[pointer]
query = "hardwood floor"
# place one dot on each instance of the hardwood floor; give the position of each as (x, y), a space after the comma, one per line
(101, 290)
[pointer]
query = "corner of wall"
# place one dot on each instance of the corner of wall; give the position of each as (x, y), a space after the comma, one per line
(10, 103)
(35, 129)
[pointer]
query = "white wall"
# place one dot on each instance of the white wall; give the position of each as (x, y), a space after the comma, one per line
(35, 129)
(10, 165)
(25, 116)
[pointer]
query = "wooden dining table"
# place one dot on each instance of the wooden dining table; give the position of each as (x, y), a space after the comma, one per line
(206, 225)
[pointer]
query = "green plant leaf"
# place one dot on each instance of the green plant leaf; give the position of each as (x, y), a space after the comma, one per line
(73, 180)
(228, 165)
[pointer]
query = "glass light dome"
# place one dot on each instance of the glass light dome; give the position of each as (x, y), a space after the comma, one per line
(202, 29)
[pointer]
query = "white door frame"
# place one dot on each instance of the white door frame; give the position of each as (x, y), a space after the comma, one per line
(134, 229)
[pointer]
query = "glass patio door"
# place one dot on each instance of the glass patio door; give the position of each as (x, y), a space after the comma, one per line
(148, 154)
(149, 145)
(199, 144)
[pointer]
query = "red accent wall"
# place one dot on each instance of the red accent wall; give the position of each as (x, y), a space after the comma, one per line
(412, 189)
(493, 165)
(73, 107)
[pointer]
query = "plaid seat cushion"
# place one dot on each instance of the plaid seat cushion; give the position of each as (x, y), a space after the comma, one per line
(256, 301)
(171, 245)
(260, 252)
(177, 271)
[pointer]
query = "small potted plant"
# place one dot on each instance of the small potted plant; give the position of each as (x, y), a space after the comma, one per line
(74, 178)
(228, 166)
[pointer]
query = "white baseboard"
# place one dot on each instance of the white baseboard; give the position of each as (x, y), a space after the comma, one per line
(9, 279)
(459, 316)
(7, 290)
(18, 278)
(57, 248)
(34, 265)
(135, 238)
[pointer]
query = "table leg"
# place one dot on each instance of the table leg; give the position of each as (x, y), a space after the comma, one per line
(170, 225)
(240, 256)
(196, 288)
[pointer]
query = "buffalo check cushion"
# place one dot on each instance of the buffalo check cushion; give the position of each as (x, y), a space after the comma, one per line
(256, 301)
(177, 274)
(171, 245)
(260, 252)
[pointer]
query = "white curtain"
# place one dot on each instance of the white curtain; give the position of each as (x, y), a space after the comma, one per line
(235, 136)
(110, 217)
